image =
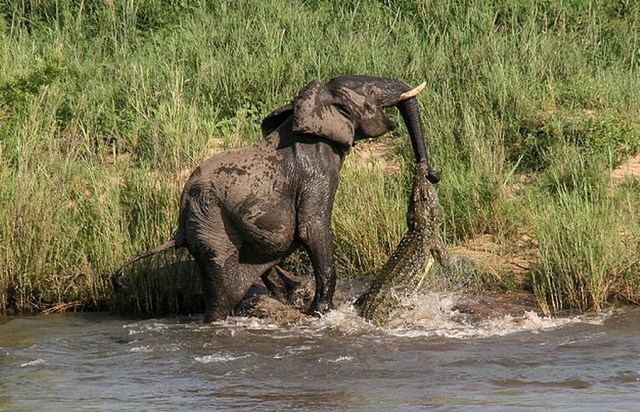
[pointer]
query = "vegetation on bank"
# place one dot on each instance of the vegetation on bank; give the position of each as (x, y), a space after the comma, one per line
(105, 107)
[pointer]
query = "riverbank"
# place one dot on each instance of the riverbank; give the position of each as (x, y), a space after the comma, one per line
(106, 107)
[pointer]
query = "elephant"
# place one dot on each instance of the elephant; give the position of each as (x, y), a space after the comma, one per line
(242, 211)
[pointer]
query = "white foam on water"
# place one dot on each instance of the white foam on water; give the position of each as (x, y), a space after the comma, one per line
(171, 348)
(141, 349)
(144, 327)
(220, 357)
(37, 362)
(174, 347)
(344, 319)
(430, 314)
(449, 326)
(422, 315)
(339, 359)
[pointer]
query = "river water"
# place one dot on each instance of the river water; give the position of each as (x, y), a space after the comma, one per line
(429, 358)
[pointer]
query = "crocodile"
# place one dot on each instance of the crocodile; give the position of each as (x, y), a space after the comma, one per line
(418, 249)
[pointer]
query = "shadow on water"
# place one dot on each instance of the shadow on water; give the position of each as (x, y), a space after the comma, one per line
(430, 357)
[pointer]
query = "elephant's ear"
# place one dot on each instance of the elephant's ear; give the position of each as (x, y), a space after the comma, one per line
(316, 112)
(275, 119)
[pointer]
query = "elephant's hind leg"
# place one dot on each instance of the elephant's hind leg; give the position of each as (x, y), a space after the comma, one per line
(223, 285)
(279, 285)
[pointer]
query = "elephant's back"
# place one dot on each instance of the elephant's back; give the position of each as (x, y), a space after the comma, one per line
(249, 188)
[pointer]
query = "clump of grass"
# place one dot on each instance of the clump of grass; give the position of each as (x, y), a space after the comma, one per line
(594, 131)
(584, 253)
(165, 284)
(571, 169)
(369, 215)
(581, 225)
(471, 201)
(628, 198)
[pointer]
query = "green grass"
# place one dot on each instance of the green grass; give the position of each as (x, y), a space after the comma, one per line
(105, 107)
(588, 252)
(369, 215)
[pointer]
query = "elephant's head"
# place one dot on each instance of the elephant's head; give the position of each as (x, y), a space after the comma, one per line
(348, 108)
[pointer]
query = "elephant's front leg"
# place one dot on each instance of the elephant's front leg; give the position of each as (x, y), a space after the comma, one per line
(317, 239)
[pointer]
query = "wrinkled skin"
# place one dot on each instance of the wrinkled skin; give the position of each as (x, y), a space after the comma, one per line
(243, 211)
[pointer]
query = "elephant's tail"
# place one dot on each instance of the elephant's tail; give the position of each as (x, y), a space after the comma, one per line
(116, 278)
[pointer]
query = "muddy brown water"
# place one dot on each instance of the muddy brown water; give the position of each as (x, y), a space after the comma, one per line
(431, 357)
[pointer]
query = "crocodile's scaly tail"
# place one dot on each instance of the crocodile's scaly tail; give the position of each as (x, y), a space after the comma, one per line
(115, 279)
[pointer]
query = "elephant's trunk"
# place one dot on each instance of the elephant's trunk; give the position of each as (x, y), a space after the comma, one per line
(396, 93)
(408, 106)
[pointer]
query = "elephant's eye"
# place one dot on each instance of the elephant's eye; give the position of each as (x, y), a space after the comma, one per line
(344, 110)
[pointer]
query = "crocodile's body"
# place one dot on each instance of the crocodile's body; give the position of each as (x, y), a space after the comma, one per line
(404, 272)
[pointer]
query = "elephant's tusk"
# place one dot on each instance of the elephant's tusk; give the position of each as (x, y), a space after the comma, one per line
(413, 92)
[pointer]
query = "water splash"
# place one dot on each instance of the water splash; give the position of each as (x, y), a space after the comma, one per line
(428, 314)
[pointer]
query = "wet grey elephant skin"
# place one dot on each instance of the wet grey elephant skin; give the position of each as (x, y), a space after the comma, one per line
(243, 211)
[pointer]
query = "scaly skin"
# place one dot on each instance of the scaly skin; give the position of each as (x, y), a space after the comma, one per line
(404, 272)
